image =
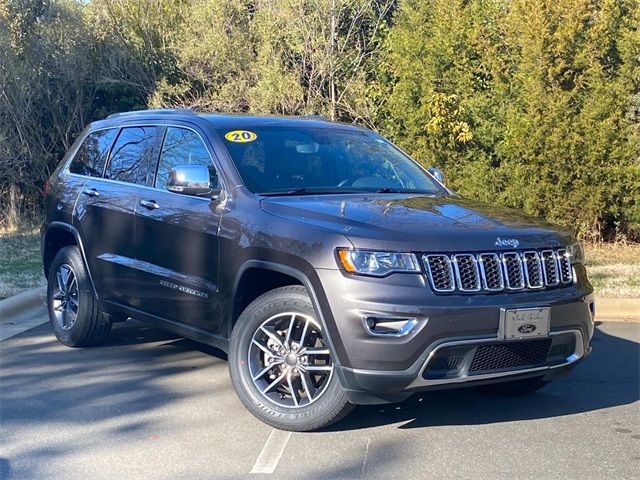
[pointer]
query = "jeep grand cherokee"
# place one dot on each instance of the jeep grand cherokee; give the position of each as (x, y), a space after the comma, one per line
(332, 268)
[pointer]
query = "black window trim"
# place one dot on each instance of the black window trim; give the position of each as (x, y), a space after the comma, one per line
(154, 152)
(212, 157)
(162, 127)
(68, 163)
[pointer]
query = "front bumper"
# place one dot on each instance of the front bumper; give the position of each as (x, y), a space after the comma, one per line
(375, 386)
(380, 369)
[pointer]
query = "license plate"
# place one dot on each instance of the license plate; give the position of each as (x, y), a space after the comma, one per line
(524, 322)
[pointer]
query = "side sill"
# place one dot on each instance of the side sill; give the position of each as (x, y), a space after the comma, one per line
(178, 328)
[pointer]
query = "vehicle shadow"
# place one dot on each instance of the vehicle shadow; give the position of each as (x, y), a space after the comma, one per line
(609, 377)
(38, 371)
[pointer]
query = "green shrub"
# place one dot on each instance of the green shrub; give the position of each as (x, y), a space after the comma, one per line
(529, 104)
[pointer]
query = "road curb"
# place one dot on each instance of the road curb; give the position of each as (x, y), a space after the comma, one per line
(22, 302)
(617, 308)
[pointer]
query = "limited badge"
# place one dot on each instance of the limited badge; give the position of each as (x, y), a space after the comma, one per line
(240, 136)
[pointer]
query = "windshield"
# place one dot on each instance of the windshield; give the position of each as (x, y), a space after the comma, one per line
(299, 160)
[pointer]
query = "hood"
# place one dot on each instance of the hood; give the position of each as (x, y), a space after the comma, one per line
(419, 222)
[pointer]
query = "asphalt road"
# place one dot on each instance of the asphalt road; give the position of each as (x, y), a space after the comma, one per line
(149, 405)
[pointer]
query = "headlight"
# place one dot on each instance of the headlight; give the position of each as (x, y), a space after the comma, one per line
(377, 264)
(576, 253)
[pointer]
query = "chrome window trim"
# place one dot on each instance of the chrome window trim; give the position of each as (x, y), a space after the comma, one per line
(544, 268)
(425, 260)
(525, 265)
(483, 272)
(505, 270)
(457, 272)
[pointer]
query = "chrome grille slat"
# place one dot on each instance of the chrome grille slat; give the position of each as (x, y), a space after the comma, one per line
(532, 270)
(513, 273)
(440, 272)
(467, 275)
(566, 272)
(496, 272)
(550, 268)
(491, 272)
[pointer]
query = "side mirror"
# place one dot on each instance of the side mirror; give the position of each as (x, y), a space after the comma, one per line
(192, 180)
(437, 174)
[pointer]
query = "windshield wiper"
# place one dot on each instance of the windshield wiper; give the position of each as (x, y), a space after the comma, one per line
(404, 190)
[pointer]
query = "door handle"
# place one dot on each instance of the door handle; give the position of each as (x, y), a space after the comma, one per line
(150, 204)
(91, 192)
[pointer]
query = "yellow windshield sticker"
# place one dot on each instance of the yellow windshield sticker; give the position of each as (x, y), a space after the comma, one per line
(240, 136)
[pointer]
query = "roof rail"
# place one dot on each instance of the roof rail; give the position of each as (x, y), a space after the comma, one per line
(314, 116)
(154, 111)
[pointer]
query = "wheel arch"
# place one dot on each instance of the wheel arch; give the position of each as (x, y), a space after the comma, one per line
(299, 277)
(58, 235)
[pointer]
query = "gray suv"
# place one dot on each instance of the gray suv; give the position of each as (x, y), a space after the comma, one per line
(332, 268)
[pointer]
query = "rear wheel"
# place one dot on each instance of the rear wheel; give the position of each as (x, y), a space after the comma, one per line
(281, 365)
(514, 388)
(74, 313)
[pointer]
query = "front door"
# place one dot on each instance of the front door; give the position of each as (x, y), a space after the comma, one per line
(177, 240)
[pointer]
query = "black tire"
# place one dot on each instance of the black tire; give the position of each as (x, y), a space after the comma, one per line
(514, 388)
(329, 407)
(89, 325)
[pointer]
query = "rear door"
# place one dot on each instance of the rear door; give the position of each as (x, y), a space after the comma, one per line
(104, 214)
(177, 239)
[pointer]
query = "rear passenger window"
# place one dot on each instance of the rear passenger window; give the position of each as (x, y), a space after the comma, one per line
(183, 147)
(92, 154)
(131, 155)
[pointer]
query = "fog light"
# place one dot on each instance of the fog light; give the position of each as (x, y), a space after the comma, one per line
(389, 327)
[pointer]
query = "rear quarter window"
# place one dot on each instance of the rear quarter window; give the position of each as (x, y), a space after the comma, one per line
(93, 152)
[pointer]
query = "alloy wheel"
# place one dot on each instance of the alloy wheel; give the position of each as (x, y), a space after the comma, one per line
(65, 297)
(289, 361)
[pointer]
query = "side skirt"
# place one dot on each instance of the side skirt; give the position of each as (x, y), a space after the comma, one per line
(182, 329)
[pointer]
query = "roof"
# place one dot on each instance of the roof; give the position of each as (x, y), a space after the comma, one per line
(225, 121)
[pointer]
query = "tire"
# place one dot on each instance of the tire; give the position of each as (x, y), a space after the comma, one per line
(74, 314)
(318, 399)
(514, 388)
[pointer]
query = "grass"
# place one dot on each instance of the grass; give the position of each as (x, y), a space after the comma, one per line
(613, 268)
(20, 262)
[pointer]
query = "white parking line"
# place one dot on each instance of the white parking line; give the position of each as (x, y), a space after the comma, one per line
(366, 455)
(267, 461)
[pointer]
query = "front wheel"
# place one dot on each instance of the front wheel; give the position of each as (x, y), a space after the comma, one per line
(281, 365)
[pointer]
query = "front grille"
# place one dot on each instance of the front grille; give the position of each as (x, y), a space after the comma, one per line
(566, 274)
(550, 267)
(513, 270)
(491, 272)
(532, 270)
(509, 355)
(441, 273)
(467, 275)
(496, 272)
(450, 362)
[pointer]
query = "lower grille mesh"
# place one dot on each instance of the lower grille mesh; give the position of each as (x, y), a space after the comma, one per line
(510, 355)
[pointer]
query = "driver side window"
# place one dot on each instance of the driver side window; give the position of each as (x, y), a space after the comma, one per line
(183, 147)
